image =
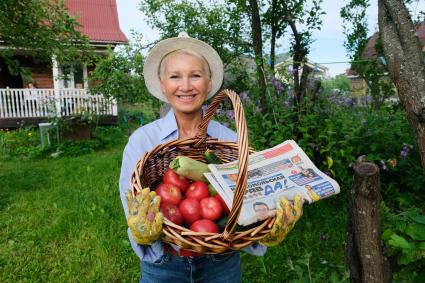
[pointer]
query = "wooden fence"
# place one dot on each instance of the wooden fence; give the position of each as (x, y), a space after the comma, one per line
(30, 103)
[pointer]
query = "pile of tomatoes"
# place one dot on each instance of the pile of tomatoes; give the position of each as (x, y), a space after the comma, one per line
(190, 203)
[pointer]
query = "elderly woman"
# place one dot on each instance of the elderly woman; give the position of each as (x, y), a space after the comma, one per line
(183, 72)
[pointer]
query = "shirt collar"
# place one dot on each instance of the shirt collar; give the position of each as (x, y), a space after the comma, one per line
(169, 126)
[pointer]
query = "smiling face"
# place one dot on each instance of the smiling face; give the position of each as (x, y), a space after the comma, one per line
(185, 81)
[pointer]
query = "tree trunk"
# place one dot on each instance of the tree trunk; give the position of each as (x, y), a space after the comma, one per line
(303, 83)
(273, 35)
(257, 42)
(272, 49)
(406, 68)
(363, 252)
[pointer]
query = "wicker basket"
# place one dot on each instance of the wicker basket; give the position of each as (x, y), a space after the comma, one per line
(151, 167)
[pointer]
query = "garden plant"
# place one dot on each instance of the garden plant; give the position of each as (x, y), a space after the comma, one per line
(61, 219)
(65, 212)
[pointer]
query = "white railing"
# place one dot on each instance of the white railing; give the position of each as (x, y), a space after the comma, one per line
(29, 103)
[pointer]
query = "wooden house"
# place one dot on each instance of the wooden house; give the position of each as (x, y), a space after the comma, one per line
(57, 90)
(359, 86)
(284, 63)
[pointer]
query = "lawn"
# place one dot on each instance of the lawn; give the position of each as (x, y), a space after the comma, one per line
(61, 220)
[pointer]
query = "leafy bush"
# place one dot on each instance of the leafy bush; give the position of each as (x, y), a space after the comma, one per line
(334, 129)
(24, 143)
(404, 235)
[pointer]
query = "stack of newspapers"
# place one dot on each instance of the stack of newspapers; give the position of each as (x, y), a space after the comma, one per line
(284, 170)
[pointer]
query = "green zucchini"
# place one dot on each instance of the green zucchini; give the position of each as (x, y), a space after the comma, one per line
(190, 168)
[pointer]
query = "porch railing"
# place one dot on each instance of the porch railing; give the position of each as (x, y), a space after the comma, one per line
(29, 103)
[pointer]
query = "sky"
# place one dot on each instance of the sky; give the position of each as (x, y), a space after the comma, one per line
(328, 46)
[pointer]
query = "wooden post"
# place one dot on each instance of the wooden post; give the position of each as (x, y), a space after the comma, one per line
(363, 252)
(55, 71)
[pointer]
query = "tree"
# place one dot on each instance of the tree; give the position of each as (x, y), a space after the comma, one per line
(257, 40)
(120, 74)
(222, 25)
(41, 27)
(296, 12)
(225, 27)
(276, 24)
(370, 69)
(405, 64)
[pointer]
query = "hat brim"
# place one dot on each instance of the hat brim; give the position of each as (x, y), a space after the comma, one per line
(164, 47)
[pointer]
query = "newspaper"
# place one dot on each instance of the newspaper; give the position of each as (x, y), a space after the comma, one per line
(284, 170)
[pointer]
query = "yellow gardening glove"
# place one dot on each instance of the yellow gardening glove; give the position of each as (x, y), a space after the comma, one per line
(144, 218)
(287, 215)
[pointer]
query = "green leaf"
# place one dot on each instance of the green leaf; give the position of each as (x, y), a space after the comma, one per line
(419, 219)
(398, 242)
(416, 231)
(409, 256)
(334, 277)
(386, 235)
(330, 161)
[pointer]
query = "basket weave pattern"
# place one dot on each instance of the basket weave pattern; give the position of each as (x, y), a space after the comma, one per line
(152, 166)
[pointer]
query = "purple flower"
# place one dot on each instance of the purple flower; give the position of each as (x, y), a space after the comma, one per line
(290, 70)
(403, 154)
(230, 114)
(365, 100)
(314, 146)
(243, 95)
(405, 150)
(277, 85)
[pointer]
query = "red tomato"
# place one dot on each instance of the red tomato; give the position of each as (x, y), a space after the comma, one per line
(223, 205)
(204, 225)
(211, 208)
(171, 177)
(198, 190)
(169, 194)
(172, 213)
(190, 210)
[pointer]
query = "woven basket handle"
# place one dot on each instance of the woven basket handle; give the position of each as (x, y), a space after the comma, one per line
(242, 132)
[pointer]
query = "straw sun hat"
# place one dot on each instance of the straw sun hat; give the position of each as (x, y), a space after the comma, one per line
(183, 41)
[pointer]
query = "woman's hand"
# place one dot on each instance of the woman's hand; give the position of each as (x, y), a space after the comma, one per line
(286, 216)
(144, 218)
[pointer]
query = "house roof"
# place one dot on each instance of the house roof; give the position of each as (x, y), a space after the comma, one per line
(285, 59)
(370, 52)
(98, 20)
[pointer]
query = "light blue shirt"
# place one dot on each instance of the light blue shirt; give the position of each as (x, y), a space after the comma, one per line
(145, 139)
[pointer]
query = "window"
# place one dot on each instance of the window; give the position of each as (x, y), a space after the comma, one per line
(73, 76)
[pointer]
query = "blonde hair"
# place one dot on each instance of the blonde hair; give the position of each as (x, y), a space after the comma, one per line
(206, 66)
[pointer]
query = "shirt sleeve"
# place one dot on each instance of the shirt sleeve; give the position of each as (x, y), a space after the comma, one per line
(255, 249)
(132, 153)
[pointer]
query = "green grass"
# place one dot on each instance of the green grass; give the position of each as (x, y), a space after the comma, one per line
(61, 220)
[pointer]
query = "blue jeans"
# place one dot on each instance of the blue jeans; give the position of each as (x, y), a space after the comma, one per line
(202, 269)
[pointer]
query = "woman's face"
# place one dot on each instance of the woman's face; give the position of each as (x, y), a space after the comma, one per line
(185, 83)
